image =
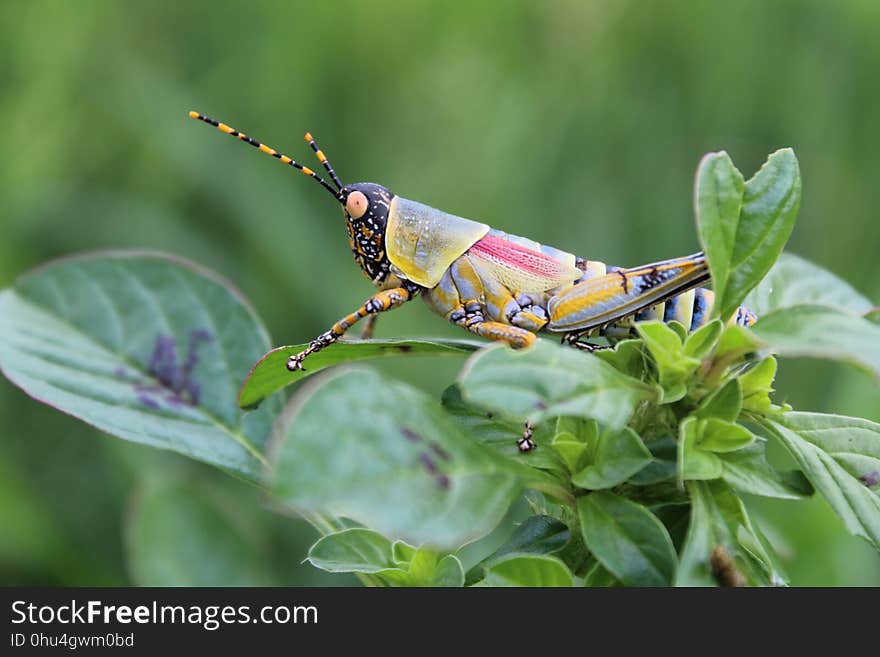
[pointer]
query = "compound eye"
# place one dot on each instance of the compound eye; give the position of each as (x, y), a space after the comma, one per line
(356, 204)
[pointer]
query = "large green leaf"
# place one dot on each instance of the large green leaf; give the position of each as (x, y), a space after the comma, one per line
(794, 281)
(853, 442)
(548, 380)
(355, 550)
(718, 200)
(358, 444)
(742, 246)
(850, 498)
(182, 535)
(144, 347)
(270, 374)
(536, 570)
(822, 332)
(627, 539)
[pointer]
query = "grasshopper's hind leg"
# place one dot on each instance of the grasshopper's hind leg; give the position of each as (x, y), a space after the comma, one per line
(378, 303)
(576, 340)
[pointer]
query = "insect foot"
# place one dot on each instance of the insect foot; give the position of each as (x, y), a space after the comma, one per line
(294, 363)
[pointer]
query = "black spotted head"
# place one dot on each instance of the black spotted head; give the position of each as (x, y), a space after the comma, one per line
(366, 209)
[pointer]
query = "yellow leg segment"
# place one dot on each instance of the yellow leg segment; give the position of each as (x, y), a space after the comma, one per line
(516, 337)
(378, 303)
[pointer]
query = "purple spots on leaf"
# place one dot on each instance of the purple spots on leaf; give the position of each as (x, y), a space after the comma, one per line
(439, 451)
(870, 479)
(426, 460)
(147, 401)
(175, 384)
(430, 465)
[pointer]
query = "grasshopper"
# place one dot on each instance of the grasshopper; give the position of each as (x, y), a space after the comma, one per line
(493, 284)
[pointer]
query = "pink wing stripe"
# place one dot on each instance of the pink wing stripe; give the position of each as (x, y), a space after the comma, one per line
(519, 257)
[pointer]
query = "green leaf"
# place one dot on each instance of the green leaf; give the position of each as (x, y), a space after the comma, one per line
(853, 442)
(627, 539)
(428, 568)
(718, 201)
(448, 573)
(673, 365)
(361, 550)
(574, 439)
(700, 439)
(693, 462)
(724, 404)
(402, 553)
(757, 385)
(270, 373)
(679, 329)
(857, 506)
(361, 445)
(627, 356)
(748, 471)
(822, 332)
(145, 347)
(721, 436)
(734, 343)
(618, 456)
(571, 450)
(549, 380)
(534, 570)
(794, 281)
(536, 535)
(701, 342)
(181, 534)
(354, 550)
(742, 246)
(718, 520)
(598, 577)
(664, 465)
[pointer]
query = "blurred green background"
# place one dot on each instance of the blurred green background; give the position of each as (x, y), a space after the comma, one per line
(579, 124)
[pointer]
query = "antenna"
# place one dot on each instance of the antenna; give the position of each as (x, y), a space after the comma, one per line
(324, 160)
(222, 127)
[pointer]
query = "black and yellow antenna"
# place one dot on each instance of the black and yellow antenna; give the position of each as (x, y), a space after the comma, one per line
(323, 158)
(222, 127)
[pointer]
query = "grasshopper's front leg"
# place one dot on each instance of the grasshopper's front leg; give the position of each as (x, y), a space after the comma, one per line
(378, 303)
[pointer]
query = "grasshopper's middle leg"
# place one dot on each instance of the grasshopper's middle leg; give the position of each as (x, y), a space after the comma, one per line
(378, 303)
(460, 297)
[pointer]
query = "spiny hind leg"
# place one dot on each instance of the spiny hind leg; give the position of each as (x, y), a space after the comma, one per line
(514, 336)
(378, 303)
(577, 340)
